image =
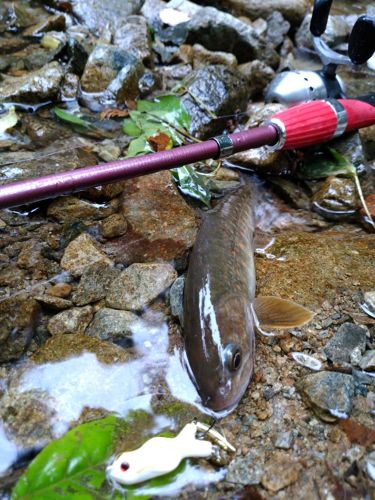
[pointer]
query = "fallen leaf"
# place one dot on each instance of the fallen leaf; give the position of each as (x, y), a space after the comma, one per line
(106, 114)
(160, 142)
(131, 104)
(370, 202)
(358, 433)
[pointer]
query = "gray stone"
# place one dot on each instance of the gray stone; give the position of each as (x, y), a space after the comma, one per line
(203, 57)
(36, 86)
(98, 14)
(258, 75)
(176, 298)
(347, 338)
(368, 361)
(81, 253)
(280, 471)
(74, 320)
(220, 91)
(19, 318)
(247, 469)
(94, 283)
(137, 286)
(277, 28)
(112, 324)
(55, 303)
(284, 440)
(330, 394)
(134, 37)
(336, 32)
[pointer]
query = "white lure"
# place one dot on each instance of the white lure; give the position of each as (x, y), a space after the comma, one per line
(161, 455)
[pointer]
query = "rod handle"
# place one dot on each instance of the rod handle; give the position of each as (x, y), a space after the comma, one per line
(314, 122)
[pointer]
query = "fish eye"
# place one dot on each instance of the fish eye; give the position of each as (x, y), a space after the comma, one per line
(124, 466)
(233, 357)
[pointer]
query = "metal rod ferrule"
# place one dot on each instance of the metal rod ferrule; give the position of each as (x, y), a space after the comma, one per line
(225, 144)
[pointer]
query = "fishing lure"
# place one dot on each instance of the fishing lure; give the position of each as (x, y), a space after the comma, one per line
(160, 455)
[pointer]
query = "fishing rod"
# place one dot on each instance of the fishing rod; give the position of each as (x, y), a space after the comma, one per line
(302, 125)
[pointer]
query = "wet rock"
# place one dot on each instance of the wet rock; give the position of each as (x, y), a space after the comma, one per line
(370, 465)
(10, 45)
(103, 65)
(200, 57)
(125, 86)
(348, 338)
(247, 469)
(40, 85)
(43, 131)
(293, 10)
(134, 37)
(345, 261)
(176, 298)
(220, 31)
(277, 28)
(61, 290)
(19, 318)
(137, 286)
(98, 14)
(30, 255)
(73, 320)
(218, 90)
(60, 347)
(367, 362)
(24, 165)
(112, 324)
(71, 208)
(161, 225)
(113, 226)
(337, 196)
(149, 82)
(27, 417)
(258, 75)
(50, 23)
(94, 283)
(53, 302)
(330, 394)
(280, 471)
(80, 253)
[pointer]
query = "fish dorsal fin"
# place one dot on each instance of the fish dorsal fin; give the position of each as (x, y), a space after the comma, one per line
(273, 312)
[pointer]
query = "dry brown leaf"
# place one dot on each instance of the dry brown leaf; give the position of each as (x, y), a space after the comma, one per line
(358, 433)
(106, 114)
(160, 142)
(131, 104)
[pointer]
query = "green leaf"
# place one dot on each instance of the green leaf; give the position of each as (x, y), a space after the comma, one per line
(70, 118)
(129, 127)
(73, 466)
(325, 163)
(8, 119)
(139, 146)
(192, 184)
(169, 108)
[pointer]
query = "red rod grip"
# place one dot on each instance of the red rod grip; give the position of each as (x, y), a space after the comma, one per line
(319, 121)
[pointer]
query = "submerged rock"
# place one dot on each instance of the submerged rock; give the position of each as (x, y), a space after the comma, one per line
(71, 208)
(73, 320)
(258, 74)
(112, 324)
(113, 226)
(19, 317)
(176, 298)
(40, 85)
(310, 266)
(94, 283)
(330, 394)
(215, 90)
(137, 286)
(348, 338)
(80, 253)
(336, 197)
(161, 225)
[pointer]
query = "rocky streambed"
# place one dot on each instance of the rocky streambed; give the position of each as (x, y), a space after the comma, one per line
(91, 283)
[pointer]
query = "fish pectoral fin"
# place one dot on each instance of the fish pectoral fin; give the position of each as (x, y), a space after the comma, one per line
(273, 312)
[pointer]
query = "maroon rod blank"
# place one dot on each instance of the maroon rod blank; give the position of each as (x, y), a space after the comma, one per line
(49, 186)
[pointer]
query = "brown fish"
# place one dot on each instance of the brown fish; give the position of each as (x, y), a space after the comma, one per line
(221, 311)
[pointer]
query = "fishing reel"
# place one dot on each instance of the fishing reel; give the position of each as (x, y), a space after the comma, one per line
(292, 87)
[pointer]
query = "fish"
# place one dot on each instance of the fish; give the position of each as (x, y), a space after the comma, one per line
(221, 311)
